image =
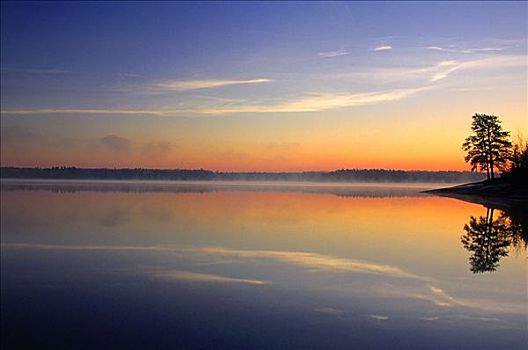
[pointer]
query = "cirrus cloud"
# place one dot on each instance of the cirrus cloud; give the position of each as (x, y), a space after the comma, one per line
(185, 85)
(330, 54)
(309, 103)
(321, 102)
(473, 50)
(382, 48)
(203, 277)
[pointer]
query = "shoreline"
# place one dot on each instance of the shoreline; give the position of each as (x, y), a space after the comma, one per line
(498, 194)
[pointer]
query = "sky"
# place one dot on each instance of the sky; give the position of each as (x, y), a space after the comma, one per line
(257, 86)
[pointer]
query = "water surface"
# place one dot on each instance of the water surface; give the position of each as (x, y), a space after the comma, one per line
(237, 265)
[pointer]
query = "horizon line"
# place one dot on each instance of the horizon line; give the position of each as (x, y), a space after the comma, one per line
(235, 171)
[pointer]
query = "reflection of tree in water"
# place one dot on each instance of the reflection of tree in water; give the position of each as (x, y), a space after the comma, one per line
(489, 239)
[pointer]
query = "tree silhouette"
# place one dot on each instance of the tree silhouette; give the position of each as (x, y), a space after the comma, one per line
(518, 235)
(518, 171)
(489, 239)
(489, 146)
(519, 155)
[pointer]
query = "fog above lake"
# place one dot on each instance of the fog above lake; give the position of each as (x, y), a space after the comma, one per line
(380, 189)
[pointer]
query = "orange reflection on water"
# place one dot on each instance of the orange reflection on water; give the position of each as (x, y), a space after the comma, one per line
(245, 217)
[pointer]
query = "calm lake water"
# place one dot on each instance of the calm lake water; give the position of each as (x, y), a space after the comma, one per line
(248, 266)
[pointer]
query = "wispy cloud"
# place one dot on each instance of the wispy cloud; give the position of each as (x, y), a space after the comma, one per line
(442, 298)
(329, 311)
(382, 48)
(203, 277)
(443, 69)
(432, 73)
(330, 54)
(439, 297)
(487, 49)
(309, 103)
(321, 102)
(379, 317)
(425, 288)
(309, 260)
(185, 85)
(316, 261)
(438, 48)
(473, 50)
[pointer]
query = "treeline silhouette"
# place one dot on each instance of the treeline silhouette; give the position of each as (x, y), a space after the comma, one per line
(343, 175)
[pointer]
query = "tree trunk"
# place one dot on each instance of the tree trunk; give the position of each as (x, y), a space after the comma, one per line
(489, 215)
(490, 155)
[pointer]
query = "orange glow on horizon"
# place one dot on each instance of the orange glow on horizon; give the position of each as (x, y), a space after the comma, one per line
(311, 159)
(315, 144)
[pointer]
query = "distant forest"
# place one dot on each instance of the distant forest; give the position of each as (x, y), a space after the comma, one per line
(344, 175)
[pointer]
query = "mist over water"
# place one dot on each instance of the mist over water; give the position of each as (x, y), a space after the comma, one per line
(251, 265)
(379, 189)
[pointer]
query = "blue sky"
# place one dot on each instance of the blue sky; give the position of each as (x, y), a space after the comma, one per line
(298, 65)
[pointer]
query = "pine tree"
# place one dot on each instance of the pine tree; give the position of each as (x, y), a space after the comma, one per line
(488, 148)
